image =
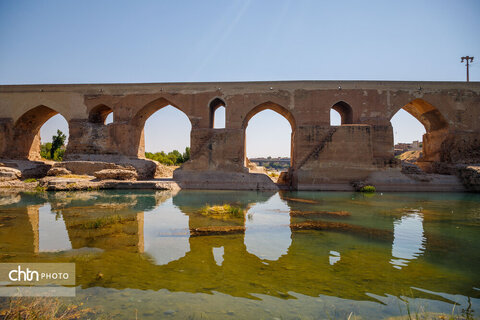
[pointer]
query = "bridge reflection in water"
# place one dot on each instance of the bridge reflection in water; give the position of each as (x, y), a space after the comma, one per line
(341, 244)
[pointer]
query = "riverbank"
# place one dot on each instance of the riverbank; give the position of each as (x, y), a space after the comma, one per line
(86, 183)
(96, 175)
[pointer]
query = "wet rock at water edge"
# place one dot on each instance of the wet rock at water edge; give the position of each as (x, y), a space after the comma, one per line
(216, 230)
(303, 214)
(7, 174)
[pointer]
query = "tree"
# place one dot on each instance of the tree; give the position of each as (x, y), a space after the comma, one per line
(58, 142)
(173, 158)
(186, 154)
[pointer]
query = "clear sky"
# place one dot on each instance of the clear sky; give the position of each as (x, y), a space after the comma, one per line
(237, 40)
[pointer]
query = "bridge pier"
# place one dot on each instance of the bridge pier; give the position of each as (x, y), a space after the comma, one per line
(322, 156)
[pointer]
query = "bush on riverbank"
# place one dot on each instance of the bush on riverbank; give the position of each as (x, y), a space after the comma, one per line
(367, 189)
(174, 158)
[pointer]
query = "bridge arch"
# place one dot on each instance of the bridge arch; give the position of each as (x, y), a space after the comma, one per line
(99, 114)
(269, 105)
(345, 111)
(137, 124)
(435, 124)
(274, 107)
(26, 132)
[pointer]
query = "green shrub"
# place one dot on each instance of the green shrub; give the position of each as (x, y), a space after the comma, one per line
(54, 150)
(174, 158)
(30, 180)
(367, 189)
(222, 212)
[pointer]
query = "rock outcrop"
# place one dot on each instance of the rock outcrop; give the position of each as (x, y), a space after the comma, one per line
(58, 171)
(7, 174)
(470, 176)
(116, 174)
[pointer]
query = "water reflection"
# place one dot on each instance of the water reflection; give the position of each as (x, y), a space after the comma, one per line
(340, 245)
(166, 233)
(52, 231)
(268, 234)
(408, 241)
(334, 257)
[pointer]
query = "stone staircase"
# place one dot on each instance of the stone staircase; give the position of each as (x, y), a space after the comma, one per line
(318, 148)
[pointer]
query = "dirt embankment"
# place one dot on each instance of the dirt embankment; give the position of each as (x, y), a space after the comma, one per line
(410, 156)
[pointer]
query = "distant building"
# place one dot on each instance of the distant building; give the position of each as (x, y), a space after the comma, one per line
(401, 147)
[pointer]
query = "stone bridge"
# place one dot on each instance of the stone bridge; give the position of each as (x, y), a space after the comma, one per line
(322, 156)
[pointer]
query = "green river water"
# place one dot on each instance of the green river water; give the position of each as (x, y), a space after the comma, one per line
(302, 255)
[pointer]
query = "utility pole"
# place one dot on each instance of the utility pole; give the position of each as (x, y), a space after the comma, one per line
(468, 59)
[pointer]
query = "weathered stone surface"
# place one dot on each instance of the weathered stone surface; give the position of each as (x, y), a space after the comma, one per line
(410, 168)
(7, 174)
(58, 171)
(116, 174)
(223, 180)
(30, 169)
(163, 171)
(470, 176)
(323, 156)
(394, 180)
(89, 167)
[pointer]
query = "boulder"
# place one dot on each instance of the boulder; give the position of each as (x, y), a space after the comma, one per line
(116, 174)
(411, 168)
(470, 176)
(7, 174)
(89, 167)
(58, 171)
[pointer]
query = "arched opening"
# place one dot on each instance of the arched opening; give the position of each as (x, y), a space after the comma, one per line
(335, 118)
(34, 129)
(109, 118)
(218, 114)
(100, 113)
(419, 131)
(165, 133)
(341, 113)
(269, 135)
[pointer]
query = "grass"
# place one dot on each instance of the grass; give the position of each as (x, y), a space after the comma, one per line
(273, 174)
(222, 212)
(367, 189)
(30, 180)
(75, 176)
(42, 308)
(40, 189)
(104, 221)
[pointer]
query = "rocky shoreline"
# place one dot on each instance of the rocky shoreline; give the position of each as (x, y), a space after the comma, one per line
(144, 174)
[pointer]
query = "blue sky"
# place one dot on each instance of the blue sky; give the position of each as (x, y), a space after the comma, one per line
(169, 41)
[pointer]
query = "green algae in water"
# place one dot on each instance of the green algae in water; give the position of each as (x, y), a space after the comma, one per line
(390, 255)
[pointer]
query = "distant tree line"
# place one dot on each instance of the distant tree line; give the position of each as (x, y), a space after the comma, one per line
(174, 158)
(279, 166)
(56, 149)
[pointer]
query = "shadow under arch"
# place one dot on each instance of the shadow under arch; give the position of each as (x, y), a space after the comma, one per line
(138, 122)
(26, 134)
(99, 114)
(436, 127)
(213, 106)
(345, 111)
(280, 110)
